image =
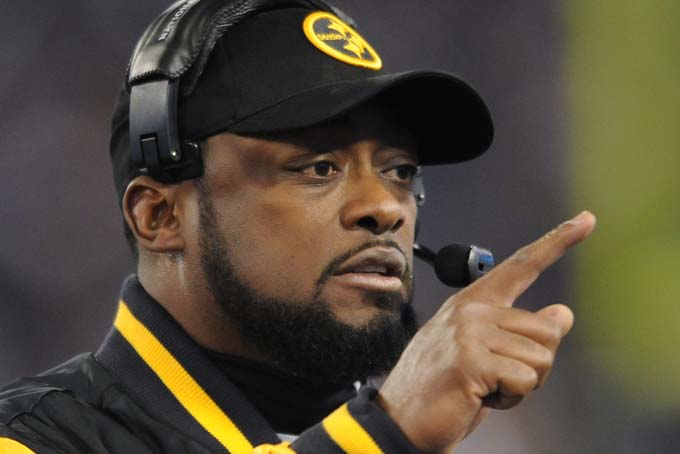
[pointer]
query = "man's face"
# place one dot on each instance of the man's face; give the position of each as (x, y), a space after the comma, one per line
(315, 230)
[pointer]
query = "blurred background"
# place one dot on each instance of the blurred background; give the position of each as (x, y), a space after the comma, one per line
(586, 103)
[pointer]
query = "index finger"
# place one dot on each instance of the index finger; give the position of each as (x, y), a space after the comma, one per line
(507, 281)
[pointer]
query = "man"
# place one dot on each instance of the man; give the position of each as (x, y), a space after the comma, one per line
(274, 282)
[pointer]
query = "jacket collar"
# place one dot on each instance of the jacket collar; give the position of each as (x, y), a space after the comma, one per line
(173, 378)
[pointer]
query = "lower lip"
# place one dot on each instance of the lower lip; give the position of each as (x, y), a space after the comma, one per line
(371, 281)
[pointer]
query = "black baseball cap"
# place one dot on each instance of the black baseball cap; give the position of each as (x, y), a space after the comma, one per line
(292, 68)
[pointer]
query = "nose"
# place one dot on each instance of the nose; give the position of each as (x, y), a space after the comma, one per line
(371, 206)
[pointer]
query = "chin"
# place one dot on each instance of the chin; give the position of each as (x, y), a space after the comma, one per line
(364, 307)
(358, 317)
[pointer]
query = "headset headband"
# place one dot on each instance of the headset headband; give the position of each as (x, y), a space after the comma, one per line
(177, 45)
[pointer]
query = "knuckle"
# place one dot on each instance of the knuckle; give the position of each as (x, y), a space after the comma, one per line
(554, 332)
(545, 359)
(465, 334)
(472, 385)
(521, 255)
(548, 357)
(528, 260)
(468, 349)
(468, 310)
(524, 380)
(527, 344)
(531, 378)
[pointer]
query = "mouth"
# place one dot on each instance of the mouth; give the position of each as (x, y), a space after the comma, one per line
(376, 269)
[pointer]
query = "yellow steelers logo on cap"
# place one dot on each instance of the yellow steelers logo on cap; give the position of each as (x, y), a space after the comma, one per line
(335, 38)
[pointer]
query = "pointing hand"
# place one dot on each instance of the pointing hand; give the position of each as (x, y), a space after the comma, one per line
(478, 351)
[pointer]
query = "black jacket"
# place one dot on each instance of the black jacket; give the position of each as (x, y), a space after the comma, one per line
(151, 389)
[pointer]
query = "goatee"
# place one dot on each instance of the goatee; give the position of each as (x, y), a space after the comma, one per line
(305, 338)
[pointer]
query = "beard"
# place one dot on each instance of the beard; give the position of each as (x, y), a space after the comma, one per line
(305, 338)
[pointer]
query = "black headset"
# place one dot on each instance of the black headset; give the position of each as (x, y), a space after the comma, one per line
(175, 47)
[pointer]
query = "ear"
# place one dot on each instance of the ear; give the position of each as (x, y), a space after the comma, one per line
(151, 211)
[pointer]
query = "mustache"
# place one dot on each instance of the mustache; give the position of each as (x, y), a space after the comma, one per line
(332, 267)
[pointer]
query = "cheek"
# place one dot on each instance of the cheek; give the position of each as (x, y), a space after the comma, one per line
(281, 248)
(408, 238)
(406, 234)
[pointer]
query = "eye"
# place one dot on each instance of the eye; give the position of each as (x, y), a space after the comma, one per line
(402, 173)
(321, 169)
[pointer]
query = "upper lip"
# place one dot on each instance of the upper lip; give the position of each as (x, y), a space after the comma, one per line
(381, 260)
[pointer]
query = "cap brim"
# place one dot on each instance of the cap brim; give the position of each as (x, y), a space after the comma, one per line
(448, 117)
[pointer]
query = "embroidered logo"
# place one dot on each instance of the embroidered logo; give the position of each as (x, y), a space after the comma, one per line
(333, 37)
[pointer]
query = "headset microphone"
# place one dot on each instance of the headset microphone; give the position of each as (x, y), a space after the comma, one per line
(457, 265)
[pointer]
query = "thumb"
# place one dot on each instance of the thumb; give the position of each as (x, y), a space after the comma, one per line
(560, 315)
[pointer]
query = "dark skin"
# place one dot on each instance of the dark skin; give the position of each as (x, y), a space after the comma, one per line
(289, 204)
(277, 202)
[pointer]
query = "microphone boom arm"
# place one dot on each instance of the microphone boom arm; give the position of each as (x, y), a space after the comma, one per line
(424, 253)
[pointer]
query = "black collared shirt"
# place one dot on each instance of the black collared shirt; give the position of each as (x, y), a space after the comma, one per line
(151, 389)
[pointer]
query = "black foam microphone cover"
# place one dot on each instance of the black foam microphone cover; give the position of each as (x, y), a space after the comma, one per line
(451, 265)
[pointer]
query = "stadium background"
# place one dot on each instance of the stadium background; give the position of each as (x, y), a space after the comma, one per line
(585, 98)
